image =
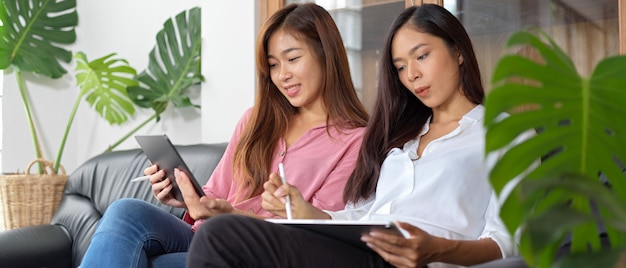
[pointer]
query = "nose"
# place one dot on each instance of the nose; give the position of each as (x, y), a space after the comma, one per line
(413, 72)
(284, 74)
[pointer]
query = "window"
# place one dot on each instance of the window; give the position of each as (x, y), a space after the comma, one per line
(586, 30)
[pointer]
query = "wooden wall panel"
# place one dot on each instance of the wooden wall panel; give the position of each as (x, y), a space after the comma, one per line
(419, 2)
(268, 7)
(622, 27)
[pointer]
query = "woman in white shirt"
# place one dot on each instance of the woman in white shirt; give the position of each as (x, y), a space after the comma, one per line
(422, 165)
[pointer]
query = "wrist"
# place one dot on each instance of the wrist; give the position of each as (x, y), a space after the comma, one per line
(316, 213)
(444, 249)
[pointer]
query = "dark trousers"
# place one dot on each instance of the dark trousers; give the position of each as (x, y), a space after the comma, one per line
(240, 241)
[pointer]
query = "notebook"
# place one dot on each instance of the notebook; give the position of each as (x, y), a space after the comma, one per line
(347, 231)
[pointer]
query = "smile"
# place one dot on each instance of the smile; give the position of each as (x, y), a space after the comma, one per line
(292, 90)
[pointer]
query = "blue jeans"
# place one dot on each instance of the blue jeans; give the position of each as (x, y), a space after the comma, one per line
(135, 233)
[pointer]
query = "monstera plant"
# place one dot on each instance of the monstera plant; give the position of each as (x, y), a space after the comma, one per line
(568, 181)
(173, 67)
(32, 34)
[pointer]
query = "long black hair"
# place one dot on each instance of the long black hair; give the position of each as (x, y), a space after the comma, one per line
(398, 116)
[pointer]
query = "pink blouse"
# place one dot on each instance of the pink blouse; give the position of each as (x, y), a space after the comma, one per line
(317, 164)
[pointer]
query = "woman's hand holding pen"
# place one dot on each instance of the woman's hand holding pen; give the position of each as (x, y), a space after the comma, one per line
(161, 188)
(274, 199)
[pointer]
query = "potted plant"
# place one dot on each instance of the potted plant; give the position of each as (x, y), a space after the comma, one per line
(573, 182)
(31, 37)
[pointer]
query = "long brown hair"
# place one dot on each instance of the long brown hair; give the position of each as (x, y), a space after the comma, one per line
(272, 111)
(398, 116)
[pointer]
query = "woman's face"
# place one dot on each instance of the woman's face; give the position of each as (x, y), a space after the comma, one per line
(295, 70)
(426, 67)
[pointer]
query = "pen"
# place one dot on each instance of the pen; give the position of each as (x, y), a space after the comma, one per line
(281, 169)
(142, 178)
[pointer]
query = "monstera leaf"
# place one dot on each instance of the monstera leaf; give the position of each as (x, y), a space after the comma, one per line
(173, 67)
(174, 64)
(104, 82)
(580, 134)
(31, 33)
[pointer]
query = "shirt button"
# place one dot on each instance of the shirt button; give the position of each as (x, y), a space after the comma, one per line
(251, 211)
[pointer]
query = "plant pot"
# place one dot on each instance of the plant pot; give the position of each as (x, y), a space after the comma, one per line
(30, 199)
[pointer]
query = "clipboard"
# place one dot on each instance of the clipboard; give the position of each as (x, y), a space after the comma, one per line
(344, 230)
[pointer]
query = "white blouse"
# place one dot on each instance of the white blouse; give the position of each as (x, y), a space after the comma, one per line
(446, 192)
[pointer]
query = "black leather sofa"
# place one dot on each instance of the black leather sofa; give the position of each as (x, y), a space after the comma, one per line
(90, 189)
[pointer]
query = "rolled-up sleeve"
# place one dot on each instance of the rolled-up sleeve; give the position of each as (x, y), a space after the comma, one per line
(497, 231)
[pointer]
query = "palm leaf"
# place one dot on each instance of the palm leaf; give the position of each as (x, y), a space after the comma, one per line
(174, 64)
(32, 32)
(104, 81)
(546, 229)
(607, 258)
(580, 133)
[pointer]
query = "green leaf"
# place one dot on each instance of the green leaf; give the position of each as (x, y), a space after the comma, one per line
(104, 81)
(580, 130)
(556, 58)
(174, 65)
(552, 221)
(606, 258)
(553, 225)
(32, 32)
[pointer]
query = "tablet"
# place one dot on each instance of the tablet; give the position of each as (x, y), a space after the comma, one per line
(160, 151)
(347, 231)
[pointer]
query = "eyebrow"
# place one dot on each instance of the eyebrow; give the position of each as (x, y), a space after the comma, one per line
(411, 51)
(286, 51)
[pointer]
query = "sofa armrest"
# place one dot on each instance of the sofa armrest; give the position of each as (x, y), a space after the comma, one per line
(36, 246)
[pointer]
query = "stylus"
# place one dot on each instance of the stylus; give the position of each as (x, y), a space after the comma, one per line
(281, 169)
(142, 178)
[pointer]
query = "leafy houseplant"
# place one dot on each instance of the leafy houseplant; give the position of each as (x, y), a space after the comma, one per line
(578, 189)
(174, 66)
(31, 35)
(29, 39)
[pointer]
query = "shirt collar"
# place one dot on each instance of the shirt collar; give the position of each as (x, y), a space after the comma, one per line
(476, 114)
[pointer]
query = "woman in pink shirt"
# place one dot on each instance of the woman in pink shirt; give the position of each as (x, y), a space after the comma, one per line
(306, 116)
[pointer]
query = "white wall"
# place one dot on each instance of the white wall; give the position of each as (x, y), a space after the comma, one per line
(228, 65)
(128, 28)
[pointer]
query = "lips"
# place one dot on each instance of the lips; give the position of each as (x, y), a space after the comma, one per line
(292, 90)
(421, 91)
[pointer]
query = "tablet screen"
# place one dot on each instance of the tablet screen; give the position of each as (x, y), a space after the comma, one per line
(160, 151)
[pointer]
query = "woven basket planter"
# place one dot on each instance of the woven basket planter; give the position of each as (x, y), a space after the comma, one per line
(30, 199)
